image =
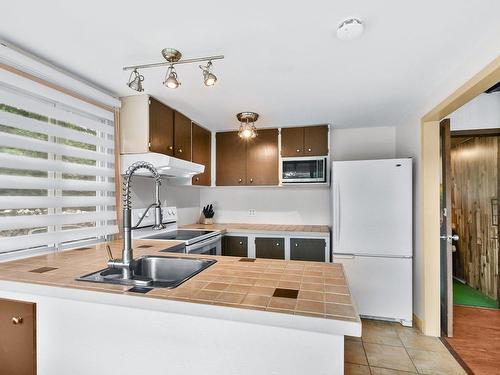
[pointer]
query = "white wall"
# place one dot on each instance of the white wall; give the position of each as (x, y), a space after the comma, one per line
(185, 198)
(482, 112)
(364, 143)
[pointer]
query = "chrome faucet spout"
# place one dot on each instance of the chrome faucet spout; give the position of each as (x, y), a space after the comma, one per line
(127, 253)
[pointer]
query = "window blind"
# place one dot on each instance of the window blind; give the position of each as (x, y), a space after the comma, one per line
(56, 168)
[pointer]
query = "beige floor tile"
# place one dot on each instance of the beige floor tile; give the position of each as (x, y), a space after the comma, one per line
(386, 356)
(435, 363)
(353, 369)
(417, 341)
(354, 353)
(256, 300)
(386, 371)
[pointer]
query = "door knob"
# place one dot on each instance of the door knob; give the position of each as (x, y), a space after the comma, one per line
(17, 320)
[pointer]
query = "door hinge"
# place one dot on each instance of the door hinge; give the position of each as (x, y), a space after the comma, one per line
(445, 212)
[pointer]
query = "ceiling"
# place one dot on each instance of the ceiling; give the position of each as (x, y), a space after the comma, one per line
(283, 59)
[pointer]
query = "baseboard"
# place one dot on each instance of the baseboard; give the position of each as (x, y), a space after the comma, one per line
(418, 323)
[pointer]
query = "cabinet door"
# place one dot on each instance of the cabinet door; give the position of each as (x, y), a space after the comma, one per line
(235, 246)
(292, 142)
(17, 337)
(271, 248)
(262, 158)
(312, 249)
(182, 136)
(202, 149)
(161, 128)
(316, 140)
(231, 160)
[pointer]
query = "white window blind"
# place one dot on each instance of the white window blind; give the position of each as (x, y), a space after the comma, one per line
(56, 167)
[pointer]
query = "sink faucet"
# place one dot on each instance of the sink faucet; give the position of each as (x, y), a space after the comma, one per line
(127, 253)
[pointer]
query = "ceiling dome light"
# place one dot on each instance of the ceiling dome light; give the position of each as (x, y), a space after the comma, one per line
(135, 81)
(247, 128)
(171, 80)
(350, 29)
(208, 77)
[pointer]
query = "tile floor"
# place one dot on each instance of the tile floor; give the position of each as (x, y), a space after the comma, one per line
(391, 349)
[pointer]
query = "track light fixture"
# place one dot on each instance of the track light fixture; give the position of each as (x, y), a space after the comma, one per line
(172, 57)
(171, 80)
(247, 128)
(209, 78)
(135, 81)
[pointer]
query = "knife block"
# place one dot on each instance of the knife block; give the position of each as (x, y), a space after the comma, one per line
(205, 221)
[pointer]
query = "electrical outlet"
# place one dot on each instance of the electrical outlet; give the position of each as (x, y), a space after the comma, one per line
(251, 212)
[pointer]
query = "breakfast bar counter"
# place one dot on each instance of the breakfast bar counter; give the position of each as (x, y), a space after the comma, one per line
(285, 312)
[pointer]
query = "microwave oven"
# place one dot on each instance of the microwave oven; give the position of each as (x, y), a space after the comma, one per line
(309, 170)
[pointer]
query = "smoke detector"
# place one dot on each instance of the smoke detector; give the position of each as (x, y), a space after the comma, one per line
(350, 29)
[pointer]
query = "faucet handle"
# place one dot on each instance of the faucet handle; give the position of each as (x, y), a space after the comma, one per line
(110, 254)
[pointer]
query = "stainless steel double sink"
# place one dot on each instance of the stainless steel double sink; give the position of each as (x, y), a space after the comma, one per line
(153, 272)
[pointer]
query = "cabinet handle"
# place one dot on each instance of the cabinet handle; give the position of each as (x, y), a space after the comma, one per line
(197, 179)
(170, 148)
(239, 180)
(241, 242)
(298, 150)
(309, 150)
(277, 244)
(179, 151)
(296, 245)
(149, 144)
(17, 320)
(251, 180)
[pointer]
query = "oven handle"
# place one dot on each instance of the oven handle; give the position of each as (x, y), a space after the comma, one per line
(198, 245)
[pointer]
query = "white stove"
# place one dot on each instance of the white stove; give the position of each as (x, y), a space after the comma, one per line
(196, 241)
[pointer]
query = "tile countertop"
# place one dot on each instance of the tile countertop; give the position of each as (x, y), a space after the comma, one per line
(320, 230)
(288, 289)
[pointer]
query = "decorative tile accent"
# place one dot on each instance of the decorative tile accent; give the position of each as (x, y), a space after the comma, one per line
(286, 293)
(43, 269)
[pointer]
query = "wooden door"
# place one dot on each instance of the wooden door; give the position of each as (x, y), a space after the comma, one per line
(231, 163)
(17, 337)
(292, 142)
(445, 231)
(271, 248)
(262, 158)
(202, 154)
(182, 136)
(310, 249)
(235, 246)
(316, 140)
(161, 128)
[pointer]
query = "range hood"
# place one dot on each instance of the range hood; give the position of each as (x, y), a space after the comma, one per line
(167, 166)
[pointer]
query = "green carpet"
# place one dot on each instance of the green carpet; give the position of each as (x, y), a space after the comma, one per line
(465, 295)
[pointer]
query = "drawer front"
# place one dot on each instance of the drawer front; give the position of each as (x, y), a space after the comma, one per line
(17, 337)
(235, 246)
(271, 248)
(311, 249)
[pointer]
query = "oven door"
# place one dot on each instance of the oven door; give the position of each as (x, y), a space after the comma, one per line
(304, 170)
(211, 246)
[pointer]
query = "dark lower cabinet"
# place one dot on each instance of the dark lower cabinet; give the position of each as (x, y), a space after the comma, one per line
(17, 337)
(311, 249)
(271, 248)
(235, 246)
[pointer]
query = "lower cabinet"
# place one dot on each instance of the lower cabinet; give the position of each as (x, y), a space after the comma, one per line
(310, 249)
(271, 248)
(17, 337)
(235, 246)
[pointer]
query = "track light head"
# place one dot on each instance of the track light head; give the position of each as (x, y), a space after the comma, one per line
(171, 80)
(135, 81)
(208, 77)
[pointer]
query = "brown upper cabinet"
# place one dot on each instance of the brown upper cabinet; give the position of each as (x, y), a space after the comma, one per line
(202, 153)
(247, 162)
(182, 136)
(262, 158)
(161, 128)
(146, 124)
(304, 141)
(230, 159)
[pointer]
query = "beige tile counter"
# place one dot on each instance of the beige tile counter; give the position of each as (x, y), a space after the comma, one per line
(321, 230)
(288, 287)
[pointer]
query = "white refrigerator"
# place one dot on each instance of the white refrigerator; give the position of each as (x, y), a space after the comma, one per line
(372, 234)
